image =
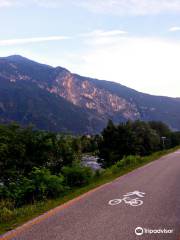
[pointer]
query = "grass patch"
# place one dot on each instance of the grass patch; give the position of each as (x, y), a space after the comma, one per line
(11, 218)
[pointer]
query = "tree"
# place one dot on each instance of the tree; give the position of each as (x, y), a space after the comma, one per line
(161, 128)
(108, 145)
(130, 138)
(147, 139)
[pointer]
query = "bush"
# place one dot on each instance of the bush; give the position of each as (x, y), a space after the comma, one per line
(45, 184)
(131, 160)
(7, 203)
(21, 191)
(118, 166)
(55, 186)
(125, 162)
(6, 214)
(39, 185)
(77, 175)
(98, 173)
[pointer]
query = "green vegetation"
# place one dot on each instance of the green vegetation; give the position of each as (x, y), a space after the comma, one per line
(134, 138)
(40, 170)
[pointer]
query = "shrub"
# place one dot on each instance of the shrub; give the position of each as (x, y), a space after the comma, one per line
(98, 173)
(39, 185)
(77, 175)
(21, 191)
(45, 184)
(115, 169)
(6, 203)
(55, 186)
(131, 160)
(6, 214)
(125, 162)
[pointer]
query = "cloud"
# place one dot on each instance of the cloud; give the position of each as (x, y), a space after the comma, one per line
(50, 3)
(174, 29)
(132, 7)
(103, 36)
(117, 7)
(7, 3)
(147, 64)
(21, 41)
(40, 3)
(102, 33)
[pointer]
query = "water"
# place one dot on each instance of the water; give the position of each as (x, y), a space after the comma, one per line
(91, 161)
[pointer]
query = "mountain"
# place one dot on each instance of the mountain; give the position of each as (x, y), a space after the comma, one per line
(55, 99)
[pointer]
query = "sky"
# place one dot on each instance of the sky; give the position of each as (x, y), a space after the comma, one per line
(132, 42)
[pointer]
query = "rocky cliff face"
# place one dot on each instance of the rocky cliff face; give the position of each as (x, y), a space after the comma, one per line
(86, 94)
(63, 95)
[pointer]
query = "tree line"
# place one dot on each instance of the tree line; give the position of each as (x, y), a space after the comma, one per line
(36, 165)
(134, 138)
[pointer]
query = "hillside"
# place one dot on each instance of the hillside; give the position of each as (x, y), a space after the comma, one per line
(57, 100)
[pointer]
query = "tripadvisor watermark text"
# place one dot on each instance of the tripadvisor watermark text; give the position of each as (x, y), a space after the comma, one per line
(140, 231)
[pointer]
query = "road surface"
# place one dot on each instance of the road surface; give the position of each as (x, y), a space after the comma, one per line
(91, 217)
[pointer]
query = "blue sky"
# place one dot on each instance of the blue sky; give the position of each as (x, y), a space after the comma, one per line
(133, 42)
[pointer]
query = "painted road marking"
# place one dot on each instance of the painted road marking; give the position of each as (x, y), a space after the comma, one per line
(134, 202)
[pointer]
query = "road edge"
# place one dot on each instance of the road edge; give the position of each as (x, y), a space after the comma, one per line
(15, 232)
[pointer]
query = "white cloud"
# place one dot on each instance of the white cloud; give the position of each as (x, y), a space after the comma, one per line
(103, 37)
(118, 7)
(132, 7)
(7, 3)
(21, 41)
(147, 64)
(41, 3)
(174, 29)
(50, 3)
(102, 33)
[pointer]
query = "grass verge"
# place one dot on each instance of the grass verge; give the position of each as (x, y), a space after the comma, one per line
(21, 215)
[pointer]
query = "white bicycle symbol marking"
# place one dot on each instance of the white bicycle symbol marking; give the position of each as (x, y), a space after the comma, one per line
(130, 201)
